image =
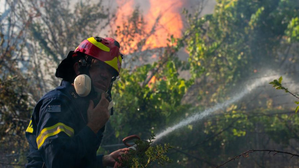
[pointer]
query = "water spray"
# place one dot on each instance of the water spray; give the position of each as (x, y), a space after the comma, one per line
(207, 112)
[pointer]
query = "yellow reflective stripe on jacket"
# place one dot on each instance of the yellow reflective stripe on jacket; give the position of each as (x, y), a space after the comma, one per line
(98, 44)
(53, 130)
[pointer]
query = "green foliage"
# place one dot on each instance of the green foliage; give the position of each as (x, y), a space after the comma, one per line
(293, 30)
(146, 154)
(143, 107)
(297, 108)
(240, 38)
(15, 109)
(277, 85)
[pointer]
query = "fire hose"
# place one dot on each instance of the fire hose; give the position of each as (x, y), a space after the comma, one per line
(131, 146)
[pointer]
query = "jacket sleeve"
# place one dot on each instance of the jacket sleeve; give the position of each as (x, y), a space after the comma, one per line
(57, 141)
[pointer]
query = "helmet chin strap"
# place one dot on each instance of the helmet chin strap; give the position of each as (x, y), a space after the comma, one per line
(110, 96)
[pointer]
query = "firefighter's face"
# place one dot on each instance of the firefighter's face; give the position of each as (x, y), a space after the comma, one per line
(101, 75)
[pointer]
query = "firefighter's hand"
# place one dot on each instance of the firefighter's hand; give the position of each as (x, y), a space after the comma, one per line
(110, 160)
(98, 115)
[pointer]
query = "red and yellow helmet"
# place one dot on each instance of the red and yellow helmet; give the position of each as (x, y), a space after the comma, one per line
(103, 49)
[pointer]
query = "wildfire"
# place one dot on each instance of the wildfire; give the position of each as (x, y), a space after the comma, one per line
(163, 15)
(170, 21)
(126, 8)
(152, 81)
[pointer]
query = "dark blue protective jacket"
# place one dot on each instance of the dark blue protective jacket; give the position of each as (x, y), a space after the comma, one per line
(58, 134)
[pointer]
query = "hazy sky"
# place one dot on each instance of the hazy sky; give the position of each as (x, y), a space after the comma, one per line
(209, 6)
(144, 4)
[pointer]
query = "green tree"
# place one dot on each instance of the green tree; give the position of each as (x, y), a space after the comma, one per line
(141, 107)
(16, 102)
(240, 39)
(15, 110)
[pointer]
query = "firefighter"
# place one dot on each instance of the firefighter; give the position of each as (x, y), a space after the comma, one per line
(67, 124)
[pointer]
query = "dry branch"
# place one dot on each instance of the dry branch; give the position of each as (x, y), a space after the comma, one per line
(246, 154)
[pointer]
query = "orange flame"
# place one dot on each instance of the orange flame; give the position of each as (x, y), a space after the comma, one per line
(163, 15)
(152, 81)
(125, 8)
(170, 22)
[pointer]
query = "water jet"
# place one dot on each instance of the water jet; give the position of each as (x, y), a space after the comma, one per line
(209, 111)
